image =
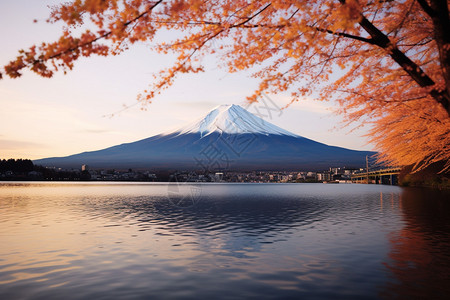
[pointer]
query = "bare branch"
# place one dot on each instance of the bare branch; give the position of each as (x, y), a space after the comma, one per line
(343, 34)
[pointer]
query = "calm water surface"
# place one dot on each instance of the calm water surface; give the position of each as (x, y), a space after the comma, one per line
(226, 241)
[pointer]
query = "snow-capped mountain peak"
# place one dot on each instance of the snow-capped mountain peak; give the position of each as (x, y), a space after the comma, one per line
(232, 119)
(267, 148)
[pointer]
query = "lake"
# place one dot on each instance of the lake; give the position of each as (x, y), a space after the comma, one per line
(223, 241)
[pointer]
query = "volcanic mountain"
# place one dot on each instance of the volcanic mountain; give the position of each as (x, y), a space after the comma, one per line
(227, 138)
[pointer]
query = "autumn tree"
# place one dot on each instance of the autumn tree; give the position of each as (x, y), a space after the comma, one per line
(392, 57)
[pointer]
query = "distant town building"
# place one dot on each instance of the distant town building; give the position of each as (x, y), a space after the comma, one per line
(325, 176)
(84, 168)
(311, 174)
(335, 171)
(218, 176)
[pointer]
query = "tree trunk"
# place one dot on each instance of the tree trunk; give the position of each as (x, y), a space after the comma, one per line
(438, 11)
(410, 67)
(441, 22)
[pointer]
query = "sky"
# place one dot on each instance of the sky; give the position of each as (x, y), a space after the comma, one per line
(84, 109)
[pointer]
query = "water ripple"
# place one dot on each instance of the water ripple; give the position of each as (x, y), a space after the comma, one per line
(79, 241)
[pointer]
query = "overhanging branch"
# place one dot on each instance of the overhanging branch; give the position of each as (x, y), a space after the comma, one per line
(343, 34)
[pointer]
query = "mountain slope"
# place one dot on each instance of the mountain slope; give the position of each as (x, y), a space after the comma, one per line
(228, 137)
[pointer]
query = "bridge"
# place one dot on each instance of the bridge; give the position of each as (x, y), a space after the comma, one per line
(381, 176)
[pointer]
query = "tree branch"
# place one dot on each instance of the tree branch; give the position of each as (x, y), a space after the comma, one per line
(343, 34)
(441, 23)
(427, 8)
(254, 16)
(96, 39)
(410, 67)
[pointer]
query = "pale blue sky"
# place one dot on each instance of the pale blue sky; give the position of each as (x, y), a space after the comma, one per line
(66, 114)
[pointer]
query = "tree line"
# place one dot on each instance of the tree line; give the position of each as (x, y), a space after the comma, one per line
(19, 169)
(16, 165)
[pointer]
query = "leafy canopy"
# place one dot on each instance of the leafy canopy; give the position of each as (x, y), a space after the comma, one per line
(393, 57)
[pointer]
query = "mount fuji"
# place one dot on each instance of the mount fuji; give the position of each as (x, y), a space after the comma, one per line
(227, 138)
